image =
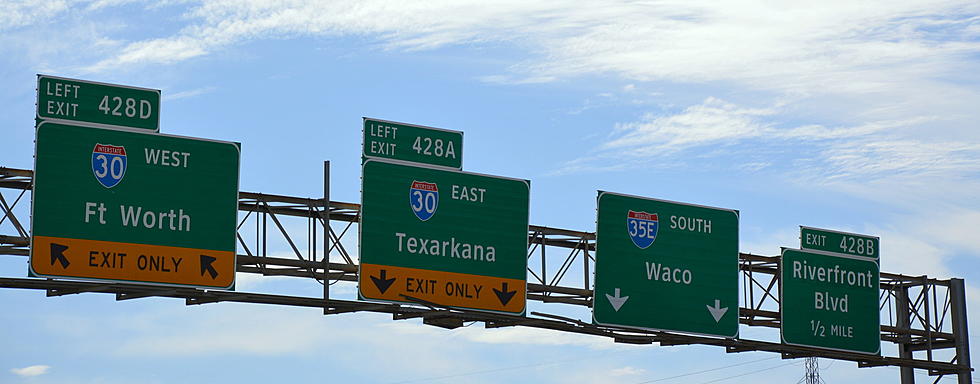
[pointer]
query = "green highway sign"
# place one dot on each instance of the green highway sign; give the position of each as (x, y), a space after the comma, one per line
(666, 266)
(829, 301)
(839, 242)
(452, 238)
(135, 207)
(80, 101)
(414, 143)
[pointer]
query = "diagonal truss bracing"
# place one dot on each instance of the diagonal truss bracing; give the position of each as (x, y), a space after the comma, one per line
(923, 318)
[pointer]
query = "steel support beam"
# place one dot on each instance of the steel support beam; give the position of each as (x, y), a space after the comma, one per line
(326, 233)
(957, 298)
(903, 322)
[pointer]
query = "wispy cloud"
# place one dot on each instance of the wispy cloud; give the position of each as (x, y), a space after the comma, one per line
(627, 371)
(534, 336)
(865, 63)
(14, 14)
(254, 281)
(34, 370)
(898, 158)
(220, 332)
(880, 68)
(713, 121)
(101, 4)
(923, 241)
(187, 94)
(819, 47)
(870, 151)
(909, 253)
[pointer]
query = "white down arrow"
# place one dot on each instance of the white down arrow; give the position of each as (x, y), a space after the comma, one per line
(617, 301)
(716, 311)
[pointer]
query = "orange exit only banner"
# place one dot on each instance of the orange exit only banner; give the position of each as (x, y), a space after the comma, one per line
(383, 282)
(107, 260)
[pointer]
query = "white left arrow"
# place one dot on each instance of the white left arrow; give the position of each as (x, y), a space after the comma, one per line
(716, 311)
(617, 301)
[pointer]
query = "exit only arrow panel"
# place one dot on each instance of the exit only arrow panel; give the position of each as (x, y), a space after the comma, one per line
(390, 283)
(107, 260)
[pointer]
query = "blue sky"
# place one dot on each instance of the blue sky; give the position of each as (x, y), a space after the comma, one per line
(856, 116)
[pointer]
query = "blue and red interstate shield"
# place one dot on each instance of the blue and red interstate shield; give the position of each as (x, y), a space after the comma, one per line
(108, 164)
(642, 228)
(424, 199)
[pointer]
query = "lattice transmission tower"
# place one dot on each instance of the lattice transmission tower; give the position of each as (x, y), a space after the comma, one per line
(812, 372)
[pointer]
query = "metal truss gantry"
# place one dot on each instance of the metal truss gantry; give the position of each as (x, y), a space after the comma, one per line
(923, 318)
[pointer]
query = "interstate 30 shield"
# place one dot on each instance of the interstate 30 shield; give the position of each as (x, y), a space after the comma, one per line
(424, 199)
(108, 164)
(642, 228)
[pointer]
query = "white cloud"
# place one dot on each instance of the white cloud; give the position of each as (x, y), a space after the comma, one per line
(768, 242)
(511, 80)
(159, 51)
(713, 121)
(253, 281)
(187, 94)
(904, 252)
(875, 66)
(100, 4)
(220, 331)
(14, 14)
(825, 47)
(895, 158)
(955, 229)
(511, 335)
(798, 47)
(535, 336)
(627, 371)
(921, 242)
(876, 150)
(34, 370)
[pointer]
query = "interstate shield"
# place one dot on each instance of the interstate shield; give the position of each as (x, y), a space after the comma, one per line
(108, 164)
(423, 197)
(642, 228)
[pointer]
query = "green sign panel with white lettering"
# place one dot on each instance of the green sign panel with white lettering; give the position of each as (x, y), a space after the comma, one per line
(666, 266)
(414, 143)
(72, 100)
(130, 206)
(450, 238)
(839, 242)
(829, 301)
